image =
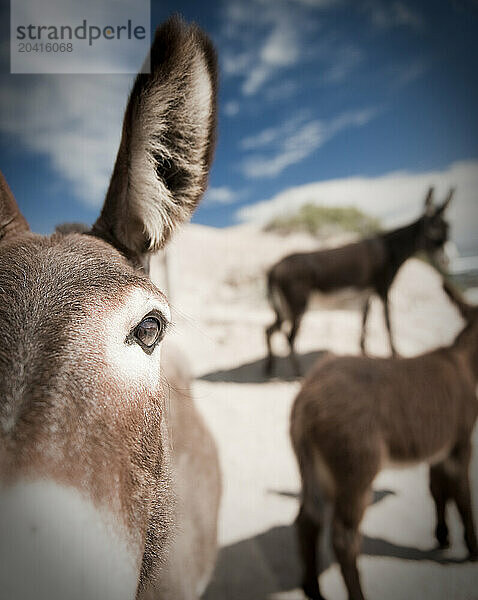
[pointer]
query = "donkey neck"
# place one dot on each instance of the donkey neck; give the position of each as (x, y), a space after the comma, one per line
(404, 242)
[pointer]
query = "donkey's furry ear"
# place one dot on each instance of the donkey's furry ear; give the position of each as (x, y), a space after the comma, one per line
(447, 201)
(12, 222)
(167, 142)
(429, 207)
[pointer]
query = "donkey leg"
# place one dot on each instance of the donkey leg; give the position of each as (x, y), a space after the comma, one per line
(458, 466)
(440, 491)
(291, 338)
(269, 364)
(389, 324)
(463, 503)
(346, 539)
(308, 532)
(364, 324)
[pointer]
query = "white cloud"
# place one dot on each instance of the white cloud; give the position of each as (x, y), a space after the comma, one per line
(237, 63)
(267, 43)
(270, 135)
(220, 195)
(256, 78)
(405, 75)
(231, 108)
(293, 149)
(280, 49)
(281, 91)
(73, 120)
(318, 3)
(269, 37)
(395, 197)
(386, 15)
(295, 140)
(345, 60)
(310, 3)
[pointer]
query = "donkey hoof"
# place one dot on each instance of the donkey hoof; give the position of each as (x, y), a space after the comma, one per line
(311, 590)
(441, 534)
(443, 544)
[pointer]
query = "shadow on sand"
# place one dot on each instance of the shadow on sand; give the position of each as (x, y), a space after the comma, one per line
(267, 563)
(254, 371)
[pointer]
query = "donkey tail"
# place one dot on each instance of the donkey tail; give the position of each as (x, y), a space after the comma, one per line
(277, 299)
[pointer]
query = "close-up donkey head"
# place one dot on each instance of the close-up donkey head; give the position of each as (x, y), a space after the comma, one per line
(173, 394)
(84, 449)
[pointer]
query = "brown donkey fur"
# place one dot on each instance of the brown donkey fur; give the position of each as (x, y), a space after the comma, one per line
(369, 265)
(355, 415)
(109, 480)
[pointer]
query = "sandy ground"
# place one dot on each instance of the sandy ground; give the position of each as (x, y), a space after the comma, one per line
(219, 308)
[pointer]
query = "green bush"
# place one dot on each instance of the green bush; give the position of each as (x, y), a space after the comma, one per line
(325, 220)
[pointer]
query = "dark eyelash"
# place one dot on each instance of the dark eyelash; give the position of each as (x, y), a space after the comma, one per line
(165, 324)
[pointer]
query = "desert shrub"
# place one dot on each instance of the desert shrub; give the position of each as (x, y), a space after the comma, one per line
(325, 220)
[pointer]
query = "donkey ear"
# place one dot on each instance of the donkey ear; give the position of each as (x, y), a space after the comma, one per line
(167, 143)
(12, 222)
(447, 201)
(429, 208)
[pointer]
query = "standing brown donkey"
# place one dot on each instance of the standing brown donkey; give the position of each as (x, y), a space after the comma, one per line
(356, 415)
(109, 481)
(369, 265)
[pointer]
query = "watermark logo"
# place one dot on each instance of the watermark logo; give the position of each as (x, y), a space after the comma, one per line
(91, 36)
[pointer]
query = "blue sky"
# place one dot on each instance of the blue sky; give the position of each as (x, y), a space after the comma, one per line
(311, 91)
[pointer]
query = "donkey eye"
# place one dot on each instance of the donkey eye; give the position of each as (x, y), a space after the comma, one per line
(149, 332)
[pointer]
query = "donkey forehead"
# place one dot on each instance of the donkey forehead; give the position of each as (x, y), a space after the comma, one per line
(52, 283)
(62, 266)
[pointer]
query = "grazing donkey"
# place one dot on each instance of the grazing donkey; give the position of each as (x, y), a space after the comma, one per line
(370, 265)
(109, 481)
(356, 415)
